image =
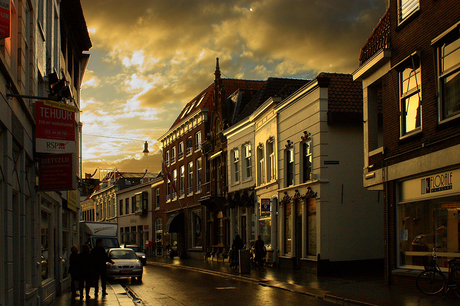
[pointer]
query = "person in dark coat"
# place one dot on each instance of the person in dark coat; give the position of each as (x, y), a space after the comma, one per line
(86, 268)
(74, 269)
(100, 258)
(237, 245)
(259, 250)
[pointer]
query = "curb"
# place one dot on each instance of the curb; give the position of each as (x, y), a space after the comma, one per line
(305, 290)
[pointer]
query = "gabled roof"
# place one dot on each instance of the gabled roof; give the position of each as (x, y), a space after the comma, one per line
(345, 95)
(273, 87)
(205, 98)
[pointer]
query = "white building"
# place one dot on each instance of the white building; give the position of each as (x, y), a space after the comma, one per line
(326, 219)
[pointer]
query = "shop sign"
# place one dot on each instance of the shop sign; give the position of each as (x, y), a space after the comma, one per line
(440, 183)
(4, 19)
(72, 200)
(54, 129)
(56, 172)
(264, 207)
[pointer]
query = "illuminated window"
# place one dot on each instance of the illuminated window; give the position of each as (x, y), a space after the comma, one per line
(410, 97)
(247, 173)
(406, 8)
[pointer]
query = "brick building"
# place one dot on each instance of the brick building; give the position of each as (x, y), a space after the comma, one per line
(410, 69)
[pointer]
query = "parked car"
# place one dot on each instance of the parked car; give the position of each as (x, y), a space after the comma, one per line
(126, 264)
(136, 249)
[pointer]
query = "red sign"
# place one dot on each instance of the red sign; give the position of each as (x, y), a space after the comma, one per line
(54, 123)
(4, 19)
(56, 172)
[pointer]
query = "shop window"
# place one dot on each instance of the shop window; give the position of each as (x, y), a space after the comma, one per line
(46, 245)
(428, 224)
(311, 225)
(449, 75)
(287, 228)
(195, 223)
(159, 236)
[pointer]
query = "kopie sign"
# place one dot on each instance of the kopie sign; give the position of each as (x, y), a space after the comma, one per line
(55, 129)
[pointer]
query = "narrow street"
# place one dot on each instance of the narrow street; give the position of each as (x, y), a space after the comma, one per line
(173, 286)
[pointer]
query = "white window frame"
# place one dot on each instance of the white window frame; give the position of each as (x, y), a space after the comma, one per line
(235, 162)
(451, 72)
(247, 162)
(182, 181)
(175, 183)
(406, 8)
(271, 161)
(197, 141)
(307, 158)
(198, 166)
(409, 96)
(261, 165)
(289, 159)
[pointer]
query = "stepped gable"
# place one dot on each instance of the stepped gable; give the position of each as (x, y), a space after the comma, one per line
(205, 98)
(273, 87)
(345, 95)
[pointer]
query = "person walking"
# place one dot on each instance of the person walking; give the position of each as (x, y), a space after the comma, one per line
(86, 271)
(260, 251)
(100, 258)
(237, 245)
(74, 269)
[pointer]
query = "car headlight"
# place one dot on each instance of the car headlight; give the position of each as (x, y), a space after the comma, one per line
(143, 256)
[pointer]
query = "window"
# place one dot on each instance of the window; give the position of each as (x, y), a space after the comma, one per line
(189, 145)
(198, 141)
(260, 165)
(190, 178)
(198, 174)
(306, 161)
(127, 205)
(159, 236)
(121, 207)
(410, 97)
(157, 198)
(195, 222)
(180, 150)
(167, 158)
(287, 228)
(174, 182)
(168, 190)
(182, 181)
(449, 76)
(173, 155)
(271, 165)
(406, 8)
(247, 173)
(235, 166)
(289, 160)
(133, 204)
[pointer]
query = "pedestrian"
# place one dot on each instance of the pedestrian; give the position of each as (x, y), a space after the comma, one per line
(237, 245)
(100, 258)
(74, 269)
(259, 250)
(86, 271)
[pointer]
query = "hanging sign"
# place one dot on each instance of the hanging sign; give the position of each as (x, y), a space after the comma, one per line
(56, 172)
(54, 129)
(4, 19)
(264, 207)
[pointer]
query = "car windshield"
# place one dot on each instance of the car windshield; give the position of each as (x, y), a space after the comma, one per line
(122, 254)
(135, 249)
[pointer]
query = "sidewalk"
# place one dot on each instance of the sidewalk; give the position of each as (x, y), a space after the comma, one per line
(363, 290)
(117, 295)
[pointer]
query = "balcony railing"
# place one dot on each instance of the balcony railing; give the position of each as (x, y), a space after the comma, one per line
(379, 39)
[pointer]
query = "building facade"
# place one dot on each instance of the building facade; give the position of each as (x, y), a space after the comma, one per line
(320, 197)
(410, 72)
(46, 41)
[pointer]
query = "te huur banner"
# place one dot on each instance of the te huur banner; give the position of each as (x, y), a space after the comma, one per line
(54, 129)
(56, 172)
(4, 19)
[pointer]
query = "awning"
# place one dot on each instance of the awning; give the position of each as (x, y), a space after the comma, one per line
(175, 223)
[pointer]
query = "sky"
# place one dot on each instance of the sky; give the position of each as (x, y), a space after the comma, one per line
(149, 58)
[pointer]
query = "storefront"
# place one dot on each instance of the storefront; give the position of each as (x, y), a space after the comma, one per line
(428, 215)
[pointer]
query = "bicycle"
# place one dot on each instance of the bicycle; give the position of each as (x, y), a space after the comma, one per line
(433, 281)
